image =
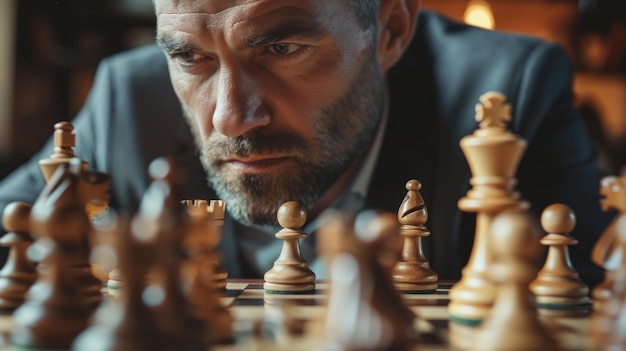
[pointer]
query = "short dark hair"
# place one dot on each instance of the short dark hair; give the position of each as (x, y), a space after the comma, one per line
(366, 12)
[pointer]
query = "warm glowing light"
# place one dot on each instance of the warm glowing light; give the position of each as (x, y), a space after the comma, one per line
(478, 13)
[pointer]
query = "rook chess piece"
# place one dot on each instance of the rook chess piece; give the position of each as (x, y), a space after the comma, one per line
(211, 216)
(203, 292)
(412, 274)
(19, 272)
(290, 273)
(513, 324)
(558, 288)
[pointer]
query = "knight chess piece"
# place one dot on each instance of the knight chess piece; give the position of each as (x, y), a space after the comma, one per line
(613, 197)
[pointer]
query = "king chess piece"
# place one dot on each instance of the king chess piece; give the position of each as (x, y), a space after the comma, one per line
(290, 273)
(558, 288)
(493, 154)
(412, 274)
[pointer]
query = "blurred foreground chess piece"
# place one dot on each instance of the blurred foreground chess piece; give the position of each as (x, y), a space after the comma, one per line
(162, 217)
(493, 155)
(290, 273)
(558, 288)
(18, 273)
(205, 285)
(412, 274)
(365, 311)
(607, 251)
(513, 323)
(93, 186)
(124, 323)
(60, 303)
(209, 216)
(607, 328)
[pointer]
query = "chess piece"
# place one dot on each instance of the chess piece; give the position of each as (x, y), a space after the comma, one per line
(124, 323)
(203, 292)
(56, 308)
(412, 274)
(558, 288)
(19, 273)
(64, 143)
(365, 311)
(290, 273)
(212, 215)
(162, 218)
(613, 197)
(513, 323)
(493, 154)
(114, 283)
(607, 328)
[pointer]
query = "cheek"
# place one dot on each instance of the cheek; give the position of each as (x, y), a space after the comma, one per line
(197, 100)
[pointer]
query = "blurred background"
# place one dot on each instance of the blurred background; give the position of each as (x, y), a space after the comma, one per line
(51, 48)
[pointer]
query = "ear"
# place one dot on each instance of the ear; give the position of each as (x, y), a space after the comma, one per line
(396, 25)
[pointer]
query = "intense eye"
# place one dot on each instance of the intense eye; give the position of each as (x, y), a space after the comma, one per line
(187, 57)
(285, 48)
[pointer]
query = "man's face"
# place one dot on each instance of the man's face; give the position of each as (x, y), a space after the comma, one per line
(282, 95)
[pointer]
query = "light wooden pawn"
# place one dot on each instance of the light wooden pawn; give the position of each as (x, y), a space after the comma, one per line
(18, 273)
(513, 324)
(290, 273)
(412, 274)
(558, 288)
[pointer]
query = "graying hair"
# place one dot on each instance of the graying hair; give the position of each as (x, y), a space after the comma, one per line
(366, 12)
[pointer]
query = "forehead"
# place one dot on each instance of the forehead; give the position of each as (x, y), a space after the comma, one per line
(248, 8)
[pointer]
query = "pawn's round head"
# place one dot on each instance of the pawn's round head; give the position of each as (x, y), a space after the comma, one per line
(291, 215)
(558, 218)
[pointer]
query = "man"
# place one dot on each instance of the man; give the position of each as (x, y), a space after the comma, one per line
(333, 104)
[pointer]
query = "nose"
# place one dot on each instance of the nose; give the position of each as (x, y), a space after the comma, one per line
(239, 106)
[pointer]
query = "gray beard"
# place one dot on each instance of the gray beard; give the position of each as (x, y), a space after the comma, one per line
(344, 131)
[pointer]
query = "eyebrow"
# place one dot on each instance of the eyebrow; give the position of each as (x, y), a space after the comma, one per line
(285, 31)
(272, 35)
(169, 44)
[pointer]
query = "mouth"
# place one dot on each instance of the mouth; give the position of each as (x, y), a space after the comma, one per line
(256, 164)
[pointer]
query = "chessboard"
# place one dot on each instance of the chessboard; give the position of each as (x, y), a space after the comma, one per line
(294, 322)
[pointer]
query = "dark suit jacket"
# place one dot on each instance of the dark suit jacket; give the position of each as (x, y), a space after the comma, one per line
(133, 116)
